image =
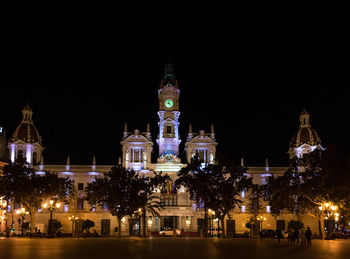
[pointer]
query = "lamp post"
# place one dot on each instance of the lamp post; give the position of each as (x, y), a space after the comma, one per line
(211, 213)
(3, 205)
(330, 212)
(73, 218)
(22, 213)
(51, 206)
(261, 219)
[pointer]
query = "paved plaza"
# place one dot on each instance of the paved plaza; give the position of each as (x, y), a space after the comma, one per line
(168, 248)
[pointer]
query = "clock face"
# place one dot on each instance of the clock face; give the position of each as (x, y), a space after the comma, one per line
(169, 103)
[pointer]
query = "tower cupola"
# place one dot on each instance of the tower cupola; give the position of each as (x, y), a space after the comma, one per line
(26, 141)
(305, 139)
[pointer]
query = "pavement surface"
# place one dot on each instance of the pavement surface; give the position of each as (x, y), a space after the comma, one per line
(168, 248)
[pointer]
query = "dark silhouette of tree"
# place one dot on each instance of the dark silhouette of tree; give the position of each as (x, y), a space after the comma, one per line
(216, 186)
(227, 186)
(22, 185)
(197, 180)
(147, 200)
(124, 192)
(115, 189)
(254, 206)
(317, 178)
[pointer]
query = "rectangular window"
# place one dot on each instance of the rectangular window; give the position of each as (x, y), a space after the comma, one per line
(66, 208)
(168, 130)
(242, 208)
(80, 186)
(136, 155)
(268, 209)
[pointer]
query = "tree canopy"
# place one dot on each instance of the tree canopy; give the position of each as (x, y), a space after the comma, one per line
(124, 192)
(22, 185)
(319, 177)
(215, 186)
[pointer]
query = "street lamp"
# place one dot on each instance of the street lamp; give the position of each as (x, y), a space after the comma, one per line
(212, 215)
(330, 211)
(51, 206)
(261, 219)
(22, 213)
(74, 219)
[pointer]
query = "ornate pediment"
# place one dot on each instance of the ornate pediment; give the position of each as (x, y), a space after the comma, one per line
(136, 137)
(202, 139)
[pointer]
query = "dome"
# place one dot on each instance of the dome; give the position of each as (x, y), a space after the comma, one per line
(26, 130)
(305, 134)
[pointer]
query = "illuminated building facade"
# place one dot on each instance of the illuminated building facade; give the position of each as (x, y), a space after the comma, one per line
(137, 146)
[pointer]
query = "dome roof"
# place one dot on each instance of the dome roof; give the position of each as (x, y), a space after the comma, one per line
(27, 133)
(305, 134)
(26, 130)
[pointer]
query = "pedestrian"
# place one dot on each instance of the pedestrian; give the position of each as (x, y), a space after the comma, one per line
(308, 236)
(296, 235)
(302, 238)
(279, 235)
(291, 235)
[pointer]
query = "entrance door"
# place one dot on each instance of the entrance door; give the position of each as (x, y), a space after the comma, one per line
(230, 227)
(169, 222)
(134, 227)
(105, 227)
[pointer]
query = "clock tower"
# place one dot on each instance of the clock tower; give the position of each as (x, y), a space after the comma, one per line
(168, 95)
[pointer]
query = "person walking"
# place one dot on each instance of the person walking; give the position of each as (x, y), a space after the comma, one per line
(308, 235)
(296, 235)
(279, 235)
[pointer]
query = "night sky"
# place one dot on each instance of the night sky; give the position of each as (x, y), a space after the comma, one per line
(87, 68)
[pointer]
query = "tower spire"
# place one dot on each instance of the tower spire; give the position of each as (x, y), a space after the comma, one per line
(169, 76)
(41, 166)
(93, 163)
(68, 164)
(125, 133)
(148, 132)
(212, 133)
